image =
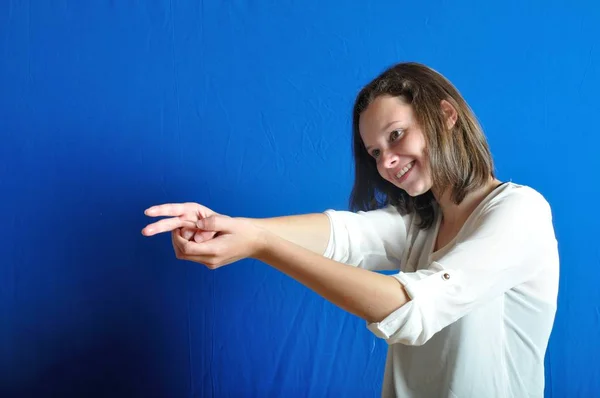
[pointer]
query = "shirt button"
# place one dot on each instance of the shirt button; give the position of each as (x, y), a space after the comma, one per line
(446, 276)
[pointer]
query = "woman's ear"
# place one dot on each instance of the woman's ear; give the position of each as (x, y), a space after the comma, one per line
(450, 114)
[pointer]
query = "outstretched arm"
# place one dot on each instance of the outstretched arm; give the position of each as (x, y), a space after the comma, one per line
(310, 231)
(367, 294)
(374, 240)
(364, 293)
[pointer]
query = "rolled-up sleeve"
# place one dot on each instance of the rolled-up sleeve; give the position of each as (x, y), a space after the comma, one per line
(508, 243)
(373, 240)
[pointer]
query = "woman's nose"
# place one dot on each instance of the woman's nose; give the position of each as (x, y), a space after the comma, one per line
(390, 160)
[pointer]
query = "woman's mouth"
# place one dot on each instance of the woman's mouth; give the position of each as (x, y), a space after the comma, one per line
(403, 174)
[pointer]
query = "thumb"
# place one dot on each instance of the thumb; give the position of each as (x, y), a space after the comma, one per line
(216, 223)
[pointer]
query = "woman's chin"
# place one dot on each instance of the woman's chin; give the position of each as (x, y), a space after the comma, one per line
(413, 185)
(415, 189)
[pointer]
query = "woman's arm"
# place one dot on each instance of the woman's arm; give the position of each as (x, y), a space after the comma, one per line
(310, 231)
(372, 240)
(369, 295)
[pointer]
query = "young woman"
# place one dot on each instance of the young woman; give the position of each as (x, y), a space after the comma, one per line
(470, 309)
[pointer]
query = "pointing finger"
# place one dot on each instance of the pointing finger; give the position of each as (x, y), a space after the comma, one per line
(168, 209)
(168, 224)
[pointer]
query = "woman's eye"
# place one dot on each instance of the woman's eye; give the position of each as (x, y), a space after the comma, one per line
(395, 135)
(375, 153)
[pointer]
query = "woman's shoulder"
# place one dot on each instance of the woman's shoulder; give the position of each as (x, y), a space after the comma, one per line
(516, 204)
(514, 194)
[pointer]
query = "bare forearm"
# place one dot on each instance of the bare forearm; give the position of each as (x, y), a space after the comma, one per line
(310, 231)
(364, 293)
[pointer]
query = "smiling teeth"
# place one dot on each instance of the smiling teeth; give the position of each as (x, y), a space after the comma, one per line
(405, 170)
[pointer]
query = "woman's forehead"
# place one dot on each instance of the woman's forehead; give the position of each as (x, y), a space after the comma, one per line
(383, 113)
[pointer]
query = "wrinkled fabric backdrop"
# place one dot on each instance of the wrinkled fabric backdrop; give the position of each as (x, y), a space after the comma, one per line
(108, 107)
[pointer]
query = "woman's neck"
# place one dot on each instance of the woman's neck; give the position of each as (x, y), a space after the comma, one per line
(453, 214)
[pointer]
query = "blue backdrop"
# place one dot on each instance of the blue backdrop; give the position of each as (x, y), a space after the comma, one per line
(108, 107)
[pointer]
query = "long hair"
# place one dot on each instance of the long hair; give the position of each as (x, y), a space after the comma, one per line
(459, 158)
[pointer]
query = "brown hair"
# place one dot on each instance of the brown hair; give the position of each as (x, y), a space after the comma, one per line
(459, 158)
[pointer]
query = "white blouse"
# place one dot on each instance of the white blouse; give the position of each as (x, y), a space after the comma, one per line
(481, 309)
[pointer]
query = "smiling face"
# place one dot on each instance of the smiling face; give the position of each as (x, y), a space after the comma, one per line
(392, 136)
(423, 142)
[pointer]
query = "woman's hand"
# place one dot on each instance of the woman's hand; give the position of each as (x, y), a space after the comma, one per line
(183, 216)
(234, 239)
(201, 235)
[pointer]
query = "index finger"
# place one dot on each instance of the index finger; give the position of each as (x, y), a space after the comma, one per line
(167, 209)
(166, 225)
